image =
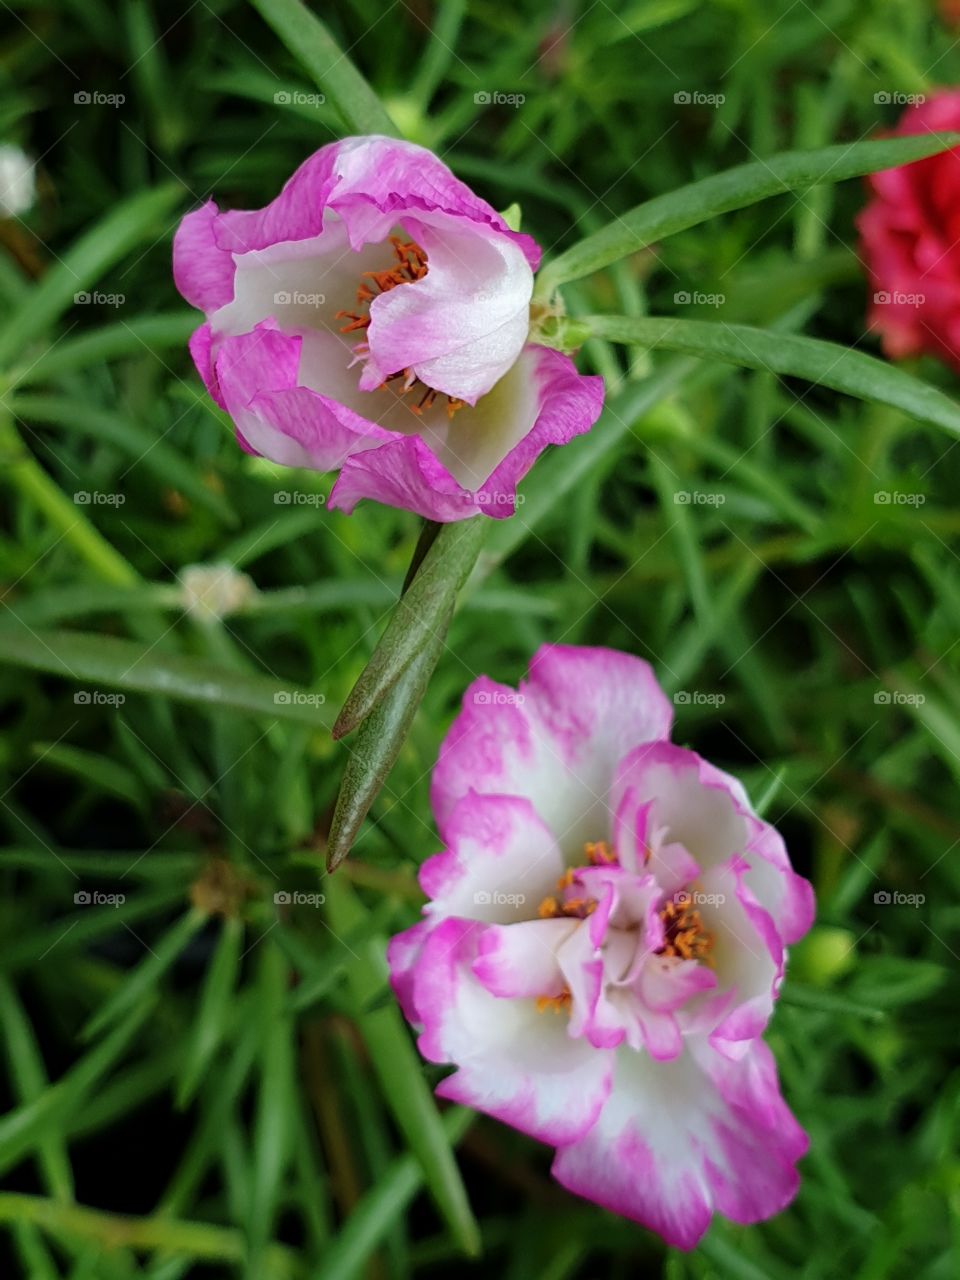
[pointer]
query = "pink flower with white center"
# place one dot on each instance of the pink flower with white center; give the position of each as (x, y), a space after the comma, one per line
(603, 946)
(374, 319)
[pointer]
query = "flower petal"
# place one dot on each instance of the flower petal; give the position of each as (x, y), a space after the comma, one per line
(500, 862)
(557, 741)
(257, 376)
(519, 961)
(202, 271)
(678, 1140)
(455, 468)
(462, 325)
(515, 1063)
(708, 813)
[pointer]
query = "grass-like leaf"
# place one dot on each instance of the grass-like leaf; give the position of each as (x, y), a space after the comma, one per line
(823, 363)
(399, 1070)
(733, 189)
(315, 48)
(123, 664)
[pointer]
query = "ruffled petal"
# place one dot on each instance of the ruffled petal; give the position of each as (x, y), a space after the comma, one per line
(679, 1140)
(515, 1063)
(202, 271)
(708, 813)
(460, 327)
(403, 952)
(556, 741)
(293, 425)
(500, 862)
(472, 464)
(519, 961)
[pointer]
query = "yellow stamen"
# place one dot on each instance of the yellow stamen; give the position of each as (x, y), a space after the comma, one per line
(556, 1004)
(684, 933)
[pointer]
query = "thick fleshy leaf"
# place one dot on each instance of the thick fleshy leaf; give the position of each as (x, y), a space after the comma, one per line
(377, 746)
(420, 613)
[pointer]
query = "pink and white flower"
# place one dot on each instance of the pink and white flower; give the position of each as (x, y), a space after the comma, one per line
(374, 319)
(603, 945)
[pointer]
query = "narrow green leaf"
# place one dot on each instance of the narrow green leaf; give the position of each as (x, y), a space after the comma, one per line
(380, 1207)
(213, 1010)
(110, 1232)
(141, 443)
(422, 613)
(733, 189)
(276, 1093)
(142, 980)
(30, 1079)
(803, 997)
(98, 660)
(105, 774)
(69, 933)
(22, 471)
(23, 1129)
(127, 338)
(559, 474)
(823, 363)
(377, 746)
(314, 47)
(84, 263)
(399, 1070)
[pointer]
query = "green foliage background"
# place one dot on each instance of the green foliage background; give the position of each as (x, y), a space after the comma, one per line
(199, 1081)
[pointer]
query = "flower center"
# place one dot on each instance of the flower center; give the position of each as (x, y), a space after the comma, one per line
(409, 267)
(684, 934)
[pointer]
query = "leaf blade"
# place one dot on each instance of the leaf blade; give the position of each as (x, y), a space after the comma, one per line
(823, 363)
(418, 616)
(378, 744)
(124, 664)
(732, 189)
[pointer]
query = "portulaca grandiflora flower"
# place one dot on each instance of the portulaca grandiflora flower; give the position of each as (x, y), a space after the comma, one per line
(374, 319)
(603, 945)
